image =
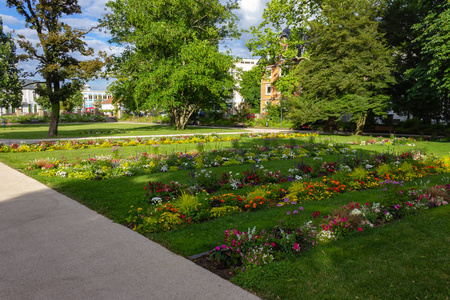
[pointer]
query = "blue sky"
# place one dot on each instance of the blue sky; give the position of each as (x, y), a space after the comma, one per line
(250, 14)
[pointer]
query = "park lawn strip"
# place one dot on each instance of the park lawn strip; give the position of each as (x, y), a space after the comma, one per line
(78, 130)
(406, 259)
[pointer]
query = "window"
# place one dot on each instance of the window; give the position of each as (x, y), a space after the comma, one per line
(90, 97)
(268, 89)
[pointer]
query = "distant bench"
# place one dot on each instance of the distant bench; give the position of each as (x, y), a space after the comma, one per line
(384, 128)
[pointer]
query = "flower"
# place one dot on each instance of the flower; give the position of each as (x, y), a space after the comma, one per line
(300, 208)
(296, 247)
(288, 213)
(295, 212)
(360, 229)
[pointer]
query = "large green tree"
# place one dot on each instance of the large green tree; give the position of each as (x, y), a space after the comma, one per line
(172, 58)
(346, 67)
(56, 50)
(10, 87)
(398, 21)
(433, 69)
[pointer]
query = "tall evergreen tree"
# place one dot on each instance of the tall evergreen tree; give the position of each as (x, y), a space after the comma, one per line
(10, 87)
(172, 59)
(347, 66)
(63, 73)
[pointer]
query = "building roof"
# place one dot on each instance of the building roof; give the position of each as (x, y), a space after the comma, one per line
(108, 101)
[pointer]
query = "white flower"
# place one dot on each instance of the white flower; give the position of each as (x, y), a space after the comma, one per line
(355, 212)
(369, 166)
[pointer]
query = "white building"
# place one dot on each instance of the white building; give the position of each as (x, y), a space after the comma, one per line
(90, 96)
(244, 65)
(29, 96)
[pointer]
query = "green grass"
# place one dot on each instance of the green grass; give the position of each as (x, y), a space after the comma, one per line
(407, 259)
(39, 131)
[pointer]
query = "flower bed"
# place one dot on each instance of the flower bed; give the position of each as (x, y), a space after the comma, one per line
(403, 167)
(107, 143)
(108, 166)
(248, 249)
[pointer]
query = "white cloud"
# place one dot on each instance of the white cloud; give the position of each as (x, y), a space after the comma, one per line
(10, 20)
(95, 9)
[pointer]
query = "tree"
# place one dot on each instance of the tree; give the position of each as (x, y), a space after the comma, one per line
(347, 66)
(75, 99)
(397, 24)
(433, 70)
(172, 59)
(10, 87)
(250, 87)
(57, 41)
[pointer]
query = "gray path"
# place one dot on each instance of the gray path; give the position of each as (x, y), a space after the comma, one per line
(52, 247)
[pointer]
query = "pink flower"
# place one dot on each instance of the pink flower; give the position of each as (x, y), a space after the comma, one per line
(360, 229)
(272, 244)
(296, 246)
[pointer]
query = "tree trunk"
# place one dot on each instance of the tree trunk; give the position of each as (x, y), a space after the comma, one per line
(360, 124)
(54, 119)
(181, 117)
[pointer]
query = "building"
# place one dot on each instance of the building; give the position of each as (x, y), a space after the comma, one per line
(269, 93)
(91, 96)
(28, 104)
(244, 65)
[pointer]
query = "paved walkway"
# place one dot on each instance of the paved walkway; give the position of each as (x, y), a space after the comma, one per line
(52, 247)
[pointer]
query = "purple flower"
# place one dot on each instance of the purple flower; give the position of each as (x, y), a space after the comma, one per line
(401, 192)
(300, 208)
(288, 213)
(293, 202)
(279, 205)
(218, 248)
(397, 206)
(295, 212)
(286, 199)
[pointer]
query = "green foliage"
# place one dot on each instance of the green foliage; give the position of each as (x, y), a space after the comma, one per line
(10, 88)
(250, 87)
(55, 50)
(349, 65)
(187, 204)
(434, 68)
(172, 60)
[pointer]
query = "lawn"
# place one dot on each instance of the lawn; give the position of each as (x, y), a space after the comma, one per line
(407, 258)
(82, 130)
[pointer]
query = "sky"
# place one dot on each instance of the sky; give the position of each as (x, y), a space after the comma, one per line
(249, 14)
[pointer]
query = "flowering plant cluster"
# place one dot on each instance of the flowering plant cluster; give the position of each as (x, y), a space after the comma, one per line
(246, 249)
(106, 143)
(299, 191)
(109, 166)
(158, 192)
(392, 140)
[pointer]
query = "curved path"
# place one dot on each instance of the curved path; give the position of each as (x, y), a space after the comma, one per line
(52, 247)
